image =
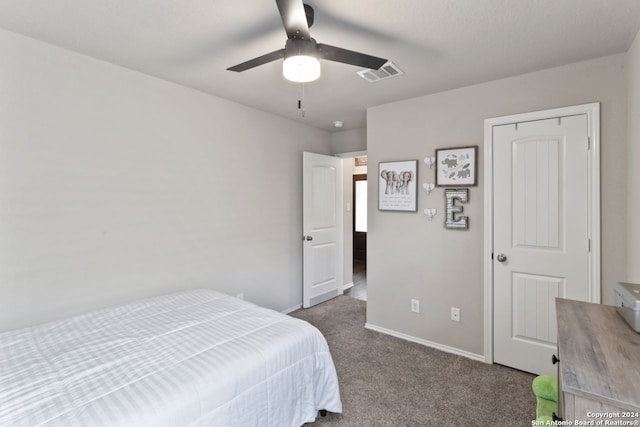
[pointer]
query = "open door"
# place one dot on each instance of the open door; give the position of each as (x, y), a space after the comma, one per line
(322, 228)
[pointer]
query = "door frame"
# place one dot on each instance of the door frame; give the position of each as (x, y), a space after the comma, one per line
(592, 111)
(347, 215)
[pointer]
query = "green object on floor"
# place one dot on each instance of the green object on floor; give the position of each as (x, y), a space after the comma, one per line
(545, 388)
(545, 409)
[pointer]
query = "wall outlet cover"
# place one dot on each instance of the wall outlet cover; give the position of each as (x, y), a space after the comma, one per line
(415, 306)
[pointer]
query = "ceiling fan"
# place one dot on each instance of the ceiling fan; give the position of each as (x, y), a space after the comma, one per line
(301, 52)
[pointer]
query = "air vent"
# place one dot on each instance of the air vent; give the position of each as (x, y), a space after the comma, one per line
(386, 71)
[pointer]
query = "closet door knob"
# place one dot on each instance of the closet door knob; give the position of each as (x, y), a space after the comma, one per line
(501, 257)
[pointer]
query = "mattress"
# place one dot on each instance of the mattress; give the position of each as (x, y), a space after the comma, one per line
(196, 358)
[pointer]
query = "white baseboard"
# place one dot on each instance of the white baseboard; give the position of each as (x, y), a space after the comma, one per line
(427, 343)
(292, 309)
(347, 286)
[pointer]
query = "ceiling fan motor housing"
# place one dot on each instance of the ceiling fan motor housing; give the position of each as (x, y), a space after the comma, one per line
(308, 11)
(296, 47)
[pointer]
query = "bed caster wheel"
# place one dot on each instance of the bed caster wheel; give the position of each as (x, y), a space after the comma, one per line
(323, 412)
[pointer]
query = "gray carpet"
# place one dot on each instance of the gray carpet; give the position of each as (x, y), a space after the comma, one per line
(386, 381)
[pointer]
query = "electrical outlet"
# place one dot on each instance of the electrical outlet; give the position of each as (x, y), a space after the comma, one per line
(455, 314)
(415, 305)
(241, 296)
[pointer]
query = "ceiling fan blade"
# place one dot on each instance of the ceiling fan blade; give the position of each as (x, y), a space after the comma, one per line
(294, 19)
(260, 60)
(337, 54)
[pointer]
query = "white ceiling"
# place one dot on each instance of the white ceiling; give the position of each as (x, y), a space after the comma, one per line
(439, 44)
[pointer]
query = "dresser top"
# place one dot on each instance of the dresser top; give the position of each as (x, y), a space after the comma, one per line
(599, 353)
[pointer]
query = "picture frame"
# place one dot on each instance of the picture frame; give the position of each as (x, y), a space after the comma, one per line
(397, 186)
(457, 166)
(361, 161)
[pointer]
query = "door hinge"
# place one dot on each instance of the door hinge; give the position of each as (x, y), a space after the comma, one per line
(588, 143)
(589, 245)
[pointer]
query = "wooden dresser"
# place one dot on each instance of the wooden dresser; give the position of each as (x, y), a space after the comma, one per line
(599, 369)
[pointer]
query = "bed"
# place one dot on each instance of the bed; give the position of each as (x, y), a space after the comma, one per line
(194, 358)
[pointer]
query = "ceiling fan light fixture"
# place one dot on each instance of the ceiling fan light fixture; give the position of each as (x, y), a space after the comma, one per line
(301, 52)
(301, 68)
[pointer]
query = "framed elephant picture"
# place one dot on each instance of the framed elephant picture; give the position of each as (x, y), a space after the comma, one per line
(457, 166)
(397, 188)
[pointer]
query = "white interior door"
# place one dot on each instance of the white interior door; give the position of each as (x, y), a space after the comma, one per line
(541, 234)
(322, 228)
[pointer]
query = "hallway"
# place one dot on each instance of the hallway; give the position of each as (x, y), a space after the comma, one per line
(359, 289)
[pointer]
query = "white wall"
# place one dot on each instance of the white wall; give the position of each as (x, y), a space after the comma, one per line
(115, 185)
(349, 141)
(633, 195)
(410, 257)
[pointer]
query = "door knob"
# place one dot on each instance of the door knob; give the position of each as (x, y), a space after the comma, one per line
(501, 257)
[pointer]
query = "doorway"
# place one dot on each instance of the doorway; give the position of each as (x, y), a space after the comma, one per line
(359, 289)
(542, 228)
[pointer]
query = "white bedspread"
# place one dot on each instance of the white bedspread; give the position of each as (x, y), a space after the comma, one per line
(188, 359)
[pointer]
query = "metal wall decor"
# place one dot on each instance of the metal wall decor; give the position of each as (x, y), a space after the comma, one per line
(453, 219)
